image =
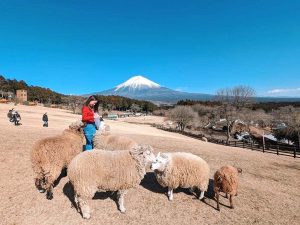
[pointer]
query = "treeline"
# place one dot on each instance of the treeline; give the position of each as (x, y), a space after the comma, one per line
(47, 96)
(189, 102)
(266, 106)
(35, 93)
(119, 103)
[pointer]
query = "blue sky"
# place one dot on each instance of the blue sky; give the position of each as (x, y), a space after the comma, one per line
(76, 47)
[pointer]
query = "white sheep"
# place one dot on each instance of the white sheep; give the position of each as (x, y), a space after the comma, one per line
(98, 170)
(181, 169)
(226, 180)
(50, 155)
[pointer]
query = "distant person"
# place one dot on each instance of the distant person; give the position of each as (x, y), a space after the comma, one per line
(45, 120)
(16, 118)
(89, 121)
(11, 113)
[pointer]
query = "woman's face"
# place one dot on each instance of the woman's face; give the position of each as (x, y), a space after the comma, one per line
(92, 103)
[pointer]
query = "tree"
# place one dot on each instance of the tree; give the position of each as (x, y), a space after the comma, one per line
(207, 114)
(182, 115)
(291, 117)
(232, 101)
(73, 102)
(135, 108)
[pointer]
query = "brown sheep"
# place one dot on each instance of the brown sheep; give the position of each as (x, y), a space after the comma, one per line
(50, 155)
(226, 180)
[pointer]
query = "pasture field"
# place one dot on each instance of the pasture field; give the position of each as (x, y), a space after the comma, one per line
(269, 191)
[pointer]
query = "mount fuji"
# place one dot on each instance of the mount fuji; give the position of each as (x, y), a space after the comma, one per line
(139, 87)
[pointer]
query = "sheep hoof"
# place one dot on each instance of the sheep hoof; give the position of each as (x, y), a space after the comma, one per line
(49, 196)
(170, 198)
(218, 209)
(86, 216)
(123, 210)
(42, 191)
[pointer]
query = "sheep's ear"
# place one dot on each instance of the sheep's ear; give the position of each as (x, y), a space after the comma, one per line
(158, 155)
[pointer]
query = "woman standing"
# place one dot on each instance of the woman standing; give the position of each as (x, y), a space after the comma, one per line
(89, 121)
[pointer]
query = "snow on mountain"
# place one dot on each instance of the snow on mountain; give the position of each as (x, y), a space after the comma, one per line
(139, 87)
(137, 82)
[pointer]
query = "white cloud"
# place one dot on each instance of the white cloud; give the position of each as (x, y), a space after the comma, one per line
(285, 91)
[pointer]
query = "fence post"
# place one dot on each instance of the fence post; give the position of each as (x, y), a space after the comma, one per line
(295, 151)
(243, 143)
(251, 145)
(235, 144)
(277, 149)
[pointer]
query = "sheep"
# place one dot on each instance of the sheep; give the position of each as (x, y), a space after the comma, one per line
(106, 141)
(181, 169)
(226, 180)
(204, 139)
(50, 155)
(100, 170)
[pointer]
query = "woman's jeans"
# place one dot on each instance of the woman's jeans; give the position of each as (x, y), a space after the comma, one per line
(89, 133)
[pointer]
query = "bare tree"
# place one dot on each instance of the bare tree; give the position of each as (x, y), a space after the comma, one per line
(207, 114)
(182, 115)
(73, 102)
(232, 101)
(291, 116)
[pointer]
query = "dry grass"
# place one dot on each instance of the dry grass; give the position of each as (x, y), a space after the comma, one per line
(268, 194)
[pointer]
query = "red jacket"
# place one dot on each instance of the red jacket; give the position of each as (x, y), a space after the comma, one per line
(87, 115)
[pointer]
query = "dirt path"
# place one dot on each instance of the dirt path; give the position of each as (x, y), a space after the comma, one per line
(268, 194)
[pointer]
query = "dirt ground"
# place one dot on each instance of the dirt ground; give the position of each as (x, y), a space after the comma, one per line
(268, 193)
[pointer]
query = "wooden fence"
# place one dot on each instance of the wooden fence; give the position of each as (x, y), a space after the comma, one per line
(278, 149)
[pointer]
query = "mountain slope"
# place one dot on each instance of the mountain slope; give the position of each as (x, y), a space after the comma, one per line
(139, 87)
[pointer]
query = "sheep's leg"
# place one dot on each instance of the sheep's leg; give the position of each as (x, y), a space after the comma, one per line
(217, 197)
(201, 195)
(83, 207)
(49, 180)
(49, 187)
(226, 195)
(38, 184)
(120, 196)
(191, 190)
(77, 203)
(170, 193)
(230, 200)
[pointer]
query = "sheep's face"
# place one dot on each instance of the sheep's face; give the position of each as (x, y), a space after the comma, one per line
(148, 154)
(143, 152)
(77, 126)
(160, 162)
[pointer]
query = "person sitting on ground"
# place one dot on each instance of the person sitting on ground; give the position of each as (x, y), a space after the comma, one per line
(89, 121)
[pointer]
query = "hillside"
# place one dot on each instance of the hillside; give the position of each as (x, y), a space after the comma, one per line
(258, 201)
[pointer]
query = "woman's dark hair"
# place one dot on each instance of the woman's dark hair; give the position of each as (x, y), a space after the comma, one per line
(96, 107)
(91, 98)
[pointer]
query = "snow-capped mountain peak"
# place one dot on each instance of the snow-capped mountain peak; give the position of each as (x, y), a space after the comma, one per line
(137, 82)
